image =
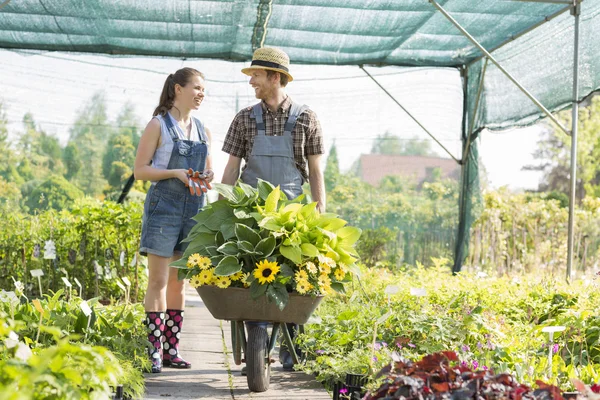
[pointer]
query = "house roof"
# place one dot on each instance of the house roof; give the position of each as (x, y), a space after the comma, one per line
(374, 167)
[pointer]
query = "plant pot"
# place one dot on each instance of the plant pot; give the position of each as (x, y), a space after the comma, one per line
(236, 304)
(353, 387)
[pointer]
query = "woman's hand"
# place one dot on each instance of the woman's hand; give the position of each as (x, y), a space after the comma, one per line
(182, 175)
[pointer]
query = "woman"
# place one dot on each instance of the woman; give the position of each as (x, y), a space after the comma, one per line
(172, 143)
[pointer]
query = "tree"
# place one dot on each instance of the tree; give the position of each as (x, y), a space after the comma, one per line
(554, 152)
(332, 169)
(89, 134)
(54, 193)
(389, 143)
(8, 157)
(71, 160)
(117, 164)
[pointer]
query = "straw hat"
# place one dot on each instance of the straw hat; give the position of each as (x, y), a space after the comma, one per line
(270, 58)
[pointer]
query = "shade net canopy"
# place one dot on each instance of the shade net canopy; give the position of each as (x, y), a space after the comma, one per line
(335, 32)
(533, 40)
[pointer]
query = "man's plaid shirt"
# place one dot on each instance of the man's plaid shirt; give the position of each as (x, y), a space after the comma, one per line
(307, 135)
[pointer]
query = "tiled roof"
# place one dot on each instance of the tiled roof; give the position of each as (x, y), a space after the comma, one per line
(374, 167)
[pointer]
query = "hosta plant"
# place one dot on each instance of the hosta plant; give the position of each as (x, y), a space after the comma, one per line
(258, 239)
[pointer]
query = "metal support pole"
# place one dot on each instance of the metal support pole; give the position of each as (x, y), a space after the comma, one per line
(499, 66)
(576, 11)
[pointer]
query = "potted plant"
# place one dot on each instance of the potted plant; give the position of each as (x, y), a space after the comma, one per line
(269, 247)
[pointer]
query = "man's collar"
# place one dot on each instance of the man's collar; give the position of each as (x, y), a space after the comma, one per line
(284, 106)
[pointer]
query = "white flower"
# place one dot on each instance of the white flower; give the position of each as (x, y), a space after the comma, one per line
(12, 340)
(23, 352)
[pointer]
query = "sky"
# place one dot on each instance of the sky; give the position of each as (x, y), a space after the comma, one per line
(352, 109)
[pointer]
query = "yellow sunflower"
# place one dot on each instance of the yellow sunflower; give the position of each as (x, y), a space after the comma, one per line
(311, 267)
(301, 275)
(265, 271)
(223, 282)
(193, 260)
(303, 286)
(204, 263)
(195, 281)
(206, 276)
(339, 274)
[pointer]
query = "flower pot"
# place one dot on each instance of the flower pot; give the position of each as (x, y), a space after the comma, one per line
(236, 304)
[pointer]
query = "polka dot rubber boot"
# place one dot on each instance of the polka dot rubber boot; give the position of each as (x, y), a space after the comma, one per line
(173, 324)
(155, 321)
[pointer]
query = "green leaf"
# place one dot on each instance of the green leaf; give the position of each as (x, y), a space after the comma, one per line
(228, 266)
(229, 248)
(270, 223)
(286, 270)
(272, 200)
(242, 213)
(203, 215)
(226, 191)
(348, 234)
(244, 233)
(278, 293)
(181, 263)
(309, 250)
(264, 189)
(347, 315)
(266, 246)
(292, 253)
(338, 287)
(203, 239)
(334, 224)
(257, 290)
(249, 191)
(246, 247)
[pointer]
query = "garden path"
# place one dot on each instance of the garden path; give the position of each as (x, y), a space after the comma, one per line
(206, 343)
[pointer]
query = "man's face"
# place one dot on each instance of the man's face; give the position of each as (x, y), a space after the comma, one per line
(263, 86)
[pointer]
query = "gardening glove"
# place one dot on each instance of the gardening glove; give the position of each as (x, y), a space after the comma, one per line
(197, 183)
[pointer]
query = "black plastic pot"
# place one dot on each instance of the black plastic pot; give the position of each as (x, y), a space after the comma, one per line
(118, 395)
(354, 386)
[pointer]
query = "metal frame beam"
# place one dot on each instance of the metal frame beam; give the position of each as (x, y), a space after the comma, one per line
(529, 29)
(409, 114)
(499, 66)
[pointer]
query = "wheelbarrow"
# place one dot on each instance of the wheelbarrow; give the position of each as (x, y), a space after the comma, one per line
(255, 347)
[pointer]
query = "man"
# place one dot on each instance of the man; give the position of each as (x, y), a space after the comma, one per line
(280, 141)
(285, 157)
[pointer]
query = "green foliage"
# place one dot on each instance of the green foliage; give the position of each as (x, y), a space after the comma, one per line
(54, 193)
(71, 358)
(388, 143)
(92, 234)
(332, 169)
(555, 148)
(491, 322)
(528, 232)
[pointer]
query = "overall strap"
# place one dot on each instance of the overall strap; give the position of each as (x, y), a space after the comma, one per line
(295, 111)
(257, 114)
(202, 136)
(171, 127)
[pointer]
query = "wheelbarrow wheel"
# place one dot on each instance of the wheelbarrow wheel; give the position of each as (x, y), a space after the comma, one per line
(237, 332)
(257, 359)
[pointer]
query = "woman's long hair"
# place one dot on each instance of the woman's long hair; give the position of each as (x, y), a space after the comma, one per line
(167, 97)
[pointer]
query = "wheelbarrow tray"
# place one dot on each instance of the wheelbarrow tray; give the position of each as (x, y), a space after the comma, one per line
(236, 304)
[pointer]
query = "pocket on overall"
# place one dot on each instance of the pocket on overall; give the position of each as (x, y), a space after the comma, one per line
(153, 203)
